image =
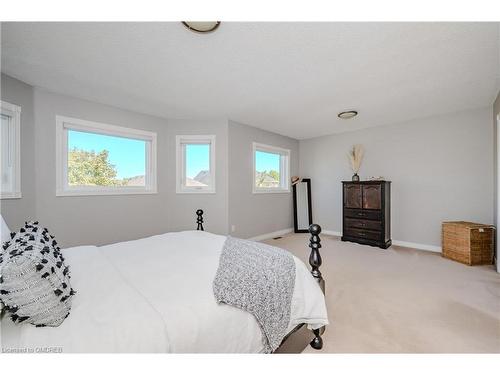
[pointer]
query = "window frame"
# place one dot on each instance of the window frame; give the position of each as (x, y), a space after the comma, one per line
(64, 123)
(180, 168)
(284, 166)
(14, 112)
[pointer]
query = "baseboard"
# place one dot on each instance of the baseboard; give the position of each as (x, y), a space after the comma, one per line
(412, 245)
(267, 236)
(419, 246)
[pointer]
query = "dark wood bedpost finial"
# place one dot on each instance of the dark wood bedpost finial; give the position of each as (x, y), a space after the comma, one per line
(315, 262)
(315, 257)
(199, 220)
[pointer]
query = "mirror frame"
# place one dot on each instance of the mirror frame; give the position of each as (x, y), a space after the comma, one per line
(308, 182)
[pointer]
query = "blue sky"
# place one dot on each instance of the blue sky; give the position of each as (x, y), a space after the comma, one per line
(197, 159)
(128, 155)
(265, 161)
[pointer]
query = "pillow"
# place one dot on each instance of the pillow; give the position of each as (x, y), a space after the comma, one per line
(34, 281)
(4, 230)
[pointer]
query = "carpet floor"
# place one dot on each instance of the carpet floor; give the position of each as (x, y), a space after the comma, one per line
(403, 300)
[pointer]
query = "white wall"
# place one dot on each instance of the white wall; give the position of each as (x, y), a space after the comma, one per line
(256, 214)
(441, 169)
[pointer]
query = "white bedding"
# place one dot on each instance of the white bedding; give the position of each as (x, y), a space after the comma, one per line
(155, 295)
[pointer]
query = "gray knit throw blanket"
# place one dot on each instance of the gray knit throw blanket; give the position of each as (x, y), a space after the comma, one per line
(259, 279)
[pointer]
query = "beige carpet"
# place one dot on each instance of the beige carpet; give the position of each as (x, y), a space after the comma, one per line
(403, 300)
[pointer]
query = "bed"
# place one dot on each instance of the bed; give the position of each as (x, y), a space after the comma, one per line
(155, 295)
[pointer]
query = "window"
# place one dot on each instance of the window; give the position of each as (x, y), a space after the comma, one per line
(10, 151)
(195, 163)
(101, 159)
(271, 169)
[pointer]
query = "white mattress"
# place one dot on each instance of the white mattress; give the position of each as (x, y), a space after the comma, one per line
(155, 295)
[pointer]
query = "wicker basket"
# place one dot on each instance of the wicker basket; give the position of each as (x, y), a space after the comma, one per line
(468, 243)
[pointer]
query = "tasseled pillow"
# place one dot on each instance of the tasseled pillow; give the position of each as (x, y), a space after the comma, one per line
(34, 281)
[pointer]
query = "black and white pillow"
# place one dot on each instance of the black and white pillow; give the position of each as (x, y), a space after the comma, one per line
(34, 281)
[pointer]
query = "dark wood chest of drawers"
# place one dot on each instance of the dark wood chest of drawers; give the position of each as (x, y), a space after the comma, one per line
(367, 213)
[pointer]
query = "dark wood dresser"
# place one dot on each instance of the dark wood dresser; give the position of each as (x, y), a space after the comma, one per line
(367, 213)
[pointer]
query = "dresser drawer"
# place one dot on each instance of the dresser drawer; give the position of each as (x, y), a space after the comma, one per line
(363, 214)
(363, 224)
(362, 233)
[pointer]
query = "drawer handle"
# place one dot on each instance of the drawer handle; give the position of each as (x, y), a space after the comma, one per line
(361, 214)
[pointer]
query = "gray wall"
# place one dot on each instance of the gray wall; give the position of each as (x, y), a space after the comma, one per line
(107, 219)
(182, 207)
(496, 112)
(444, 162)
(95, 219)
(256, 214)
(441, 169)
(16, 211)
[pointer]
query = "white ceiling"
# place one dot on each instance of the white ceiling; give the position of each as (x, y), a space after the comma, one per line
(290, 78)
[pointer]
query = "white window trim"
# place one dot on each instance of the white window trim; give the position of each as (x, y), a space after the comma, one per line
(64, 123)
(285, 167)
(14, 111)
(180, 164)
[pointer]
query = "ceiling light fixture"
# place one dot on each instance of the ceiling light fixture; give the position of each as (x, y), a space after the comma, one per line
(201, 27)
(346, 115)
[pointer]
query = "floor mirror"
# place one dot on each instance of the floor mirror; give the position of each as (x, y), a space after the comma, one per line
(302, 209)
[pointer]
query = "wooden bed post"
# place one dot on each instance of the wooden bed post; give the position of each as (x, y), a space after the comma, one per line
(315, 257)
(199, 220)
(315, 262)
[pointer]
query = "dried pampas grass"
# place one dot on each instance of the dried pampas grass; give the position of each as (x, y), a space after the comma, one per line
(356, 157)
